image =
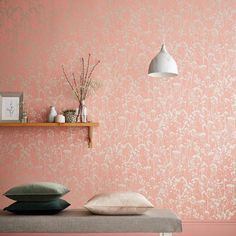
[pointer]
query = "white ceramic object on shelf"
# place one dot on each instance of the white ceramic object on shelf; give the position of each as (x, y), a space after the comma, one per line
(52, 114)
(84, 114)
(60, 119)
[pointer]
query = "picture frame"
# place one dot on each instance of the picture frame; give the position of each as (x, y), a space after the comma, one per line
(11, 107)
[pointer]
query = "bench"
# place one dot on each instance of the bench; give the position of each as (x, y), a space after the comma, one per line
(161, 221)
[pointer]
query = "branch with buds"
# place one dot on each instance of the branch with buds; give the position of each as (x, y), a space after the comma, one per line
(82, 86)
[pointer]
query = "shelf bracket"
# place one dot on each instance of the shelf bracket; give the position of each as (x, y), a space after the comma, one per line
(90, 136)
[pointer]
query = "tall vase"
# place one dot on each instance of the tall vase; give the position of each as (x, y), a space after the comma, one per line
(83, 112)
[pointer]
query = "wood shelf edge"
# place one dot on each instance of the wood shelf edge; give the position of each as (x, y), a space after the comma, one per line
(45, 124)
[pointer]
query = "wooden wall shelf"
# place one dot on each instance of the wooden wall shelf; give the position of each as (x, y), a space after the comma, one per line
(89, 125)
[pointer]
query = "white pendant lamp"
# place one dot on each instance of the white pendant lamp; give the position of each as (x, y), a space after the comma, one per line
(163, 65)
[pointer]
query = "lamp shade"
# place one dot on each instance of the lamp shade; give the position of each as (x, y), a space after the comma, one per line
(163, 65)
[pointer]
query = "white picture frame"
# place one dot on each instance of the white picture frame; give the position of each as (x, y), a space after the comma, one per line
(11, 107)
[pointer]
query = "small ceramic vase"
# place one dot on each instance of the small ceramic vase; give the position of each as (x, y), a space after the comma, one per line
(52, 114)
(60, 119)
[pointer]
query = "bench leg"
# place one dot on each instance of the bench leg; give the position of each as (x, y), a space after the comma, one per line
(165, 234)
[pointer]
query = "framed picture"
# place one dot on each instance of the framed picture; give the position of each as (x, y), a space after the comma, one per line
(11, 107)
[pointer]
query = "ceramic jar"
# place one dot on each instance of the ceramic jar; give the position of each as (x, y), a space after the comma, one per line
(60, 119)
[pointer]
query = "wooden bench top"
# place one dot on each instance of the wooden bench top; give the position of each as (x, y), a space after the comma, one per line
(82, 221)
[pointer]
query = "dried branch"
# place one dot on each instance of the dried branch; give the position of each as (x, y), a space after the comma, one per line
(76, 85)
(67, 79)
(85, 78)
(93, 69)
(84, 85)
(90, 79)
(74, 80)
(82, 73)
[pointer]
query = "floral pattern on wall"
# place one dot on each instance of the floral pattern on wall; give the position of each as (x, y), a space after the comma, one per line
(173, 140)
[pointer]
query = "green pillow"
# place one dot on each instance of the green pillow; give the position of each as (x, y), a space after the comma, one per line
(38, 208)
(37, 191)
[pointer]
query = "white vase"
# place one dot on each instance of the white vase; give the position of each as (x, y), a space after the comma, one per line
(60, 119)
(84, 114)
(52, 114)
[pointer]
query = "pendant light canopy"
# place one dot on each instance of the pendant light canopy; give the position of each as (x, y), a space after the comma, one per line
(163, 65)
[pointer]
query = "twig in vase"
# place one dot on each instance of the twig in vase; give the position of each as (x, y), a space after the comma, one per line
(84, 83)
(75, 83)
(88, 84)
(82, 73)
(75, 92)
(85, 77)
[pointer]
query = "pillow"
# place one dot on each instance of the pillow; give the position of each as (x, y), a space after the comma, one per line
(37, 191)
(119, 203)
(38, 208)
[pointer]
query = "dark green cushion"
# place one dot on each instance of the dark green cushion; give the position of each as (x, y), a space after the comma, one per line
(37, 191)
(38, 208)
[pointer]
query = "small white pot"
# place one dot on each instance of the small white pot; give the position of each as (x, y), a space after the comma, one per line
(60, 119)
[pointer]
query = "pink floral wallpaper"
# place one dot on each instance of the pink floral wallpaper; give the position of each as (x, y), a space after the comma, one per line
(173, 140)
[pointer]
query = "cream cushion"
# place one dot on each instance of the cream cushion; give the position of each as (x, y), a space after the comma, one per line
(118, 203)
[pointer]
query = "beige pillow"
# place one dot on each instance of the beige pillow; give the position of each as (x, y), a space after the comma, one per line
(119, 203)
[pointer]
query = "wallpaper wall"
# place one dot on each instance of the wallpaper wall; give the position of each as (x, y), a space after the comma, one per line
(173, 140)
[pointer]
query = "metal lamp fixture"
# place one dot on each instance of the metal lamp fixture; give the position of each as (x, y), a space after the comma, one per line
(163, 65)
